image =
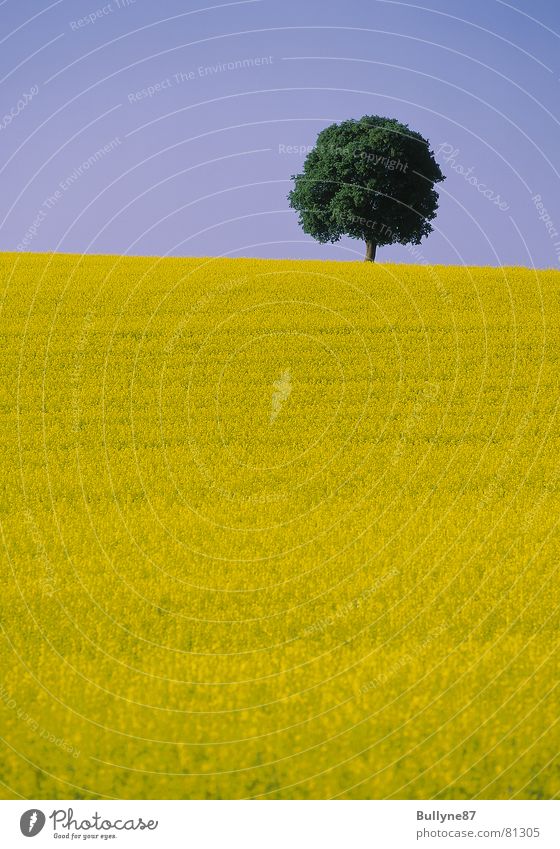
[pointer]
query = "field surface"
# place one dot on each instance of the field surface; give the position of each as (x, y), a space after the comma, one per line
(278, 529)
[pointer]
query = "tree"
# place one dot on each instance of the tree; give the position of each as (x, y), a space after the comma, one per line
(371, 179)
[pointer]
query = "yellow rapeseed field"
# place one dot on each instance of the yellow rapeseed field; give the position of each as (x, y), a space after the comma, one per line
(278, 529)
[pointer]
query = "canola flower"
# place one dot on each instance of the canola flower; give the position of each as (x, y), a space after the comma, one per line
(277, 529)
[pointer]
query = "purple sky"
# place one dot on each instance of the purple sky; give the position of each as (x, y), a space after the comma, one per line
(201, 164)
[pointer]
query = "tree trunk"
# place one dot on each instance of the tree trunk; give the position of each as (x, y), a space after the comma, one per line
(371, 248)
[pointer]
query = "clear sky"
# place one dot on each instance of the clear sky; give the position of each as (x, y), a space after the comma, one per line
(173, 127)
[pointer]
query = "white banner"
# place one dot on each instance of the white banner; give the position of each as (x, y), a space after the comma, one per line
(281, 825)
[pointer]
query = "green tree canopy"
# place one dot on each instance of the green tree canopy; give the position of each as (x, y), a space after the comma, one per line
(371, 179)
